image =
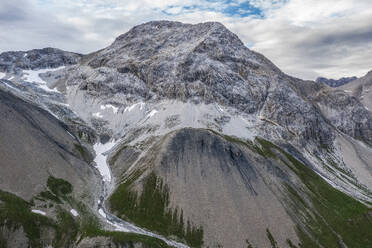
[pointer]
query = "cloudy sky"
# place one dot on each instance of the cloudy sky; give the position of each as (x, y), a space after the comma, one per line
(305, 38)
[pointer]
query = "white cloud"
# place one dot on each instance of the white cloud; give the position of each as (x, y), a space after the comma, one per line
(305, 38)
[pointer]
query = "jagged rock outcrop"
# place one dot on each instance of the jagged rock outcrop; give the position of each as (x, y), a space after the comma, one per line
(361, 89)
(346, 113)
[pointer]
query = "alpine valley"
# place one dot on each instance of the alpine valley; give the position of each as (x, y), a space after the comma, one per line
(178, 135)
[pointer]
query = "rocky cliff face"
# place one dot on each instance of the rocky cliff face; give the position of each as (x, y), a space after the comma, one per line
(197, 138)
(361, 89)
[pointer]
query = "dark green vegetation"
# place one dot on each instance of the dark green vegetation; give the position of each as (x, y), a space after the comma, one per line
(80, 150)
(15, 213)
(59, 186)
(330, 216)
(57, 189)
(151, 210)
(67, 230)
(273, 243)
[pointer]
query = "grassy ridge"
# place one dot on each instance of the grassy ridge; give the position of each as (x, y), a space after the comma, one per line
(335, 217)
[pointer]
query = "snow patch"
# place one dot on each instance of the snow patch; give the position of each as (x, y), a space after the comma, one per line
(33, 77)
(152, 113)
(70, 134)
(130, 108)
(101, 159)
(2, 75)
(36, 211)
(98, 115)
(102, 213)
(219, 108)
(114, 109)
(119, 227)
(74, 212)
(10, 86)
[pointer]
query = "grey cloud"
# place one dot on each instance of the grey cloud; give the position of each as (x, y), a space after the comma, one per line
(13, 11)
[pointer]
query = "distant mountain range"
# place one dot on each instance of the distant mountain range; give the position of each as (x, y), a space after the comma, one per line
(335, 82)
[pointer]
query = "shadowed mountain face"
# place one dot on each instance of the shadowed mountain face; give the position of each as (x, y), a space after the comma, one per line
(181, 135)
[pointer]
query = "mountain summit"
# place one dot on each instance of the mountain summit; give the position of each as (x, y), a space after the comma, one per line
(177, 135)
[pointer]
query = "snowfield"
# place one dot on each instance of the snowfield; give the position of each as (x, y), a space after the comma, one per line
(101, 157)
(33, 76)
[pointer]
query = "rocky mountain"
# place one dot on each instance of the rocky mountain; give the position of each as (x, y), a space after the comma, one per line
(335, 82)
(177, 135)
(13, 62)
(361, 90)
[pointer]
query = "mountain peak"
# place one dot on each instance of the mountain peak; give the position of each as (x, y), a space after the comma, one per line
(169, 34)
(169, 26)
(188, 62)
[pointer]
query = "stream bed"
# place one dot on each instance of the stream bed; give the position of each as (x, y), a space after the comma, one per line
(102, 151)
